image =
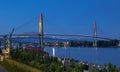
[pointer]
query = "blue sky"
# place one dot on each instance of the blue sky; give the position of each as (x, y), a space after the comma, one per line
(61, 16)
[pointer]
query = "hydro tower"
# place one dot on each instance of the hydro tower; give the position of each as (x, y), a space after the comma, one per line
(40, 32)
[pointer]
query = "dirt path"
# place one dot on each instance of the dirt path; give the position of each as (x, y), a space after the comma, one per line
(2, 69)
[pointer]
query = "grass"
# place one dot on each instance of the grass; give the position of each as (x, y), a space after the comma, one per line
(14, 66)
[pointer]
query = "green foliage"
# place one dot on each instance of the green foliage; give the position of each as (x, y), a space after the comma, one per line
(77, 68)
(52, 64)
(110, 68)
(106, 68)
(94, 69)
(49, 63)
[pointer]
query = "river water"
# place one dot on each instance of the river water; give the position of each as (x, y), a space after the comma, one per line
(91, 55)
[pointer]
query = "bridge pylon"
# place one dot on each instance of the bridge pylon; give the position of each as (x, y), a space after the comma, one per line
(95, 35)
(41, 32)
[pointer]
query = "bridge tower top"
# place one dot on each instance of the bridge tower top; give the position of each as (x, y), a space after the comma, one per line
(40, 26)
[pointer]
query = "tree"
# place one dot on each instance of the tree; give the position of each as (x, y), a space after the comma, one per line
(94, 69)
(109, 68)
(77, 68)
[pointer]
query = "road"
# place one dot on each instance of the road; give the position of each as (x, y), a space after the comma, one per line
(2, 69)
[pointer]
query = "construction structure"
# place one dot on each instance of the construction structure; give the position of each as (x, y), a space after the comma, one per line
(5, 52)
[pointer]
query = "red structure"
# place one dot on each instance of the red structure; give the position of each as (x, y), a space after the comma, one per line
(37, 50)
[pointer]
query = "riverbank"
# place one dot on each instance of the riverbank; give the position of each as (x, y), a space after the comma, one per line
(56, 64)
(91, 55)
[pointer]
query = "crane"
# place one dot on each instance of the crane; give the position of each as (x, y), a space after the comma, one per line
(7, 44)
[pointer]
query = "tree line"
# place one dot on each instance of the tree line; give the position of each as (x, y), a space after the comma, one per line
(100, 43)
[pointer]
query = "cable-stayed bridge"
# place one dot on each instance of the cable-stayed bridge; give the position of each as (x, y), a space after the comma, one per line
(41, 35)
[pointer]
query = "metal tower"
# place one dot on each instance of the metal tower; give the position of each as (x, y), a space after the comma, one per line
(40, 31)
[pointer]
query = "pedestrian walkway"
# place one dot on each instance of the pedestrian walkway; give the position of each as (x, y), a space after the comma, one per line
(2, 69)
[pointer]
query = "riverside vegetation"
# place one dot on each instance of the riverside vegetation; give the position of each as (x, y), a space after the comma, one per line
(100, 43)
(54, 64)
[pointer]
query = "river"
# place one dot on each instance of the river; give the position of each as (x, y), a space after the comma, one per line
(91, 55)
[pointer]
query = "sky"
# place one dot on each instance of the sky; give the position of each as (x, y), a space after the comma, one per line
(61, 16)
